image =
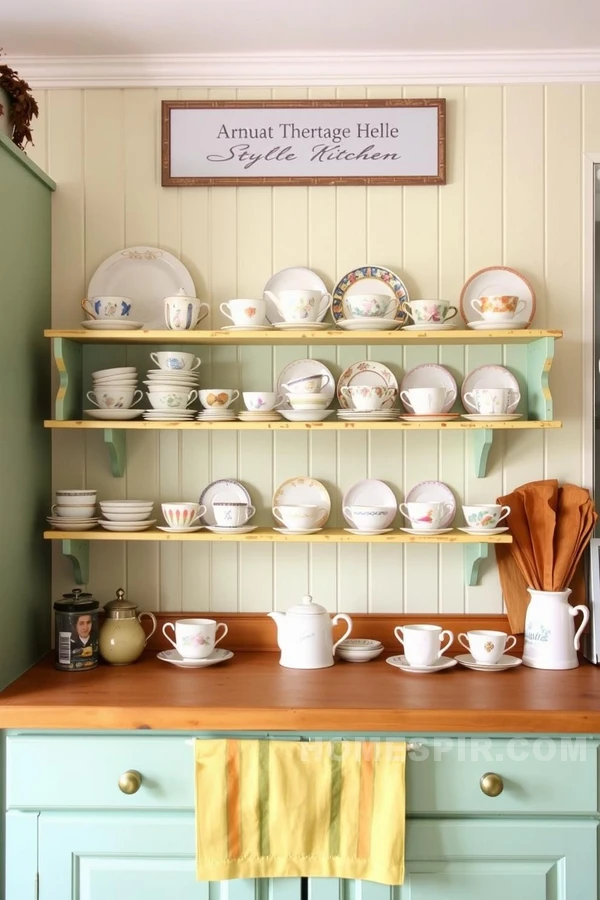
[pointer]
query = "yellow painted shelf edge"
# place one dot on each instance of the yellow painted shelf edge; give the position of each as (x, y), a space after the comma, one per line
(298, 426)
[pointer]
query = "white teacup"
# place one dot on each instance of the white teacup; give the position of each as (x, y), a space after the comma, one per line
(245, 312)
(426, 516)
(107, 307)
(421, 643)
(171, 399)
(261, 401)
(486, 647)
(182, 515)
(309, 384)
(485, 515)
(218, 398)
(298, 518)
(195, 638)
(498, 307)
(76, 497)
(425, 401)
(366, 397)
(183, 313)
(114, 397)
(492, 401)
(423, 312)
(370, 306)
(232, 515)
(74, 512)
(175, 361)
(300, 306)
(367, 518)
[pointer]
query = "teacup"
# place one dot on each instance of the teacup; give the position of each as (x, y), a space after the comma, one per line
(367, 397)
(421, 643)
(498, 307)
(429, 311)
(425, 401)
(261, 401)
(367, 518)
(183, 313)
(309, 384)
(74, 512)
(492, 401)
(171, 399)
(485, 515)
(81, 497)
(245, 312)
(370, 306)
(175, 361)
(308, 401)
(300, 306)
(195, 638)
(218, 398)
(298, 518)
(486, 647)
(182, 515)
(426, 516)
(107, 307)
(232, 515)
(115, 397)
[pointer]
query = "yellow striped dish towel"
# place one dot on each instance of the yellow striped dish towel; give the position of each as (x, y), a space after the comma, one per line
(269, 809)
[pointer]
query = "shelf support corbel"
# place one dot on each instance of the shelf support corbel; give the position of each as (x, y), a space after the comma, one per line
(481, 442)
(473, 555)
(67, 358)
(114, 438)
(540, 355)
(79, 554)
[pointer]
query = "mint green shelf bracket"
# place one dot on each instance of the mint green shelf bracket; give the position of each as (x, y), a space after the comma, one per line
(68, 358)
(473, 554)
(481, 441)
(114, 438)
(79, 554)
(540, 355)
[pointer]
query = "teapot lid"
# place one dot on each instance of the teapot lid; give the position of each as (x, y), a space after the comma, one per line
(120, 608)
(307, 608)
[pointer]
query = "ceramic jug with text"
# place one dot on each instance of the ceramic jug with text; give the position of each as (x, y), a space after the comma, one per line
(551, 641)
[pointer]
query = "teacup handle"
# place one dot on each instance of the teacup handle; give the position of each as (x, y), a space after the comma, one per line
(406, 308)
(448, 508)
(404, 511)
(449, 642)
(392, 307)
(154, 359)
(170, 640)
(277, 513)
(503, 514)
(196, 365)
(405, 400)
(469, 401)
(91, 399)
(234, 397)
(280, 401)
(476, 304)
(520, 307)
(325, 380)
(154, 623)
(341, 617)
(515, 399)
(220, 625)
(87, 310)
(464, 641)
(508, 646)
(226, 312)
(201, 512)
(200, 317)
(345, 392)
(398, 635)
(448, 317)
(52, 508)
(191, 397)
(348, 514)
(325, 303)
(134, 401)
(251, 512)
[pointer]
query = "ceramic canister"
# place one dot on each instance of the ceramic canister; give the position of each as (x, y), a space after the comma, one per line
(76, 632)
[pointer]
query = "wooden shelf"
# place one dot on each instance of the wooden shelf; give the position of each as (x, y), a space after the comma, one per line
(284, 425)
(279, 338)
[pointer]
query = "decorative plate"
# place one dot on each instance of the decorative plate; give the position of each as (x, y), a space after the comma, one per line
(430, 375)
(369, 279)
(145, 274)
(217, 656)
(222, 490)
(488, 377)
(399, 662)
(301, 368)
(426, 491)
(292, 279)
(371, 492)
(367, 372)
(303, 492)
(496, 280)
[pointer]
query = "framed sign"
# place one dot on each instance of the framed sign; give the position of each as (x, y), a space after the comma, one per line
(294, 142)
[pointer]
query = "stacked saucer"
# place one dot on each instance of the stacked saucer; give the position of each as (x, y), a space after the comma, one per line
(114, 393)
(74, 510)
(170, 392)
(217, 415)
(359, 649)
(126, 515)
(254, 416)
(375, 415)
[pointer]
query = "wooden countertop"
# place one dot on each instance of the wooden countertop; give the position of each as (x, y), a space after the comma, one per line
(253, 692)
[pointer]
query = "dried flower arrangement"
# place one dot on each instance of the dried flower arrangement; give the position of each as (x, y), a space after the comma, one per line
(23, 106)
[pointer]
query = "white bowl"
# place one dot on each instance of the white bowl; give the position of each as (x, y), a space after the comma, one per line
(75, 498)
(116, 370)
(358, 655)
(129, 516)
(170, 400)
(126, 502)
(73, 512)
(306, 401)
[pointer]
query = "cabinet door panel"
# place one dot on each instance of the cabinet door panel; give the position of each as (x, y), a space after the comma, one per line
(138, 856)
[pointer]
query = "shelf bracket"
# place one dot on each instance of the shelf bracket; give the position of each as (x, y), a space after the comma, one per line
(67, 357)
(481, 441)
(79, 554)
(473, 554)
(540, 355)
(114, 438)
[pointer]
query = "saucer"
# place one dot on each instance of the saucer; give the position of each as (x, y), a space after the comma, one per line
(114, 414)
(73, 526)
(428, 532)
(362, 324)
(303, 326)
(239, 529)
(180, 530)
(483, 530)
(432, 417)
(399, 662)
(217, 656)
(362, 533)
(505, 662)
(430, 326)
(265, 327)
(111, 325)
(509, 325)
(127, 526)
(297, 530)
(503, 417)
(306, 415)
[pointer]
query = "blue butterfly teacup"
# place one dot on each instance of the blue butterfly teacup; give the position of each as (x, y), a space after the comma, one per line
(107, 307)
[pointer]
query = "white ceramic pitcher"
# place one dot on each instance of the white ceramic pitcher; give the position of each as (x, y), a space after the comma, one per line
(551, 641)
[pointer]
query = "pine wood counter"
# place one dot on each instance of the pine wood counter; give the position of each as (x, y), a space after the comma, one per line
(252, 692)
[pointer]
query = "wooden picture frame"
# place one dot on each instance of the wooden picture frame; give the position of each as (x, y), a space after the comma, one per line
(370, 152)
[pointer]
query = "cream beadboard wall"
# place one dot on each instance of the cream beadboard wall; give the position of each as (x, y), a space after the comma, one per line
(513, 198)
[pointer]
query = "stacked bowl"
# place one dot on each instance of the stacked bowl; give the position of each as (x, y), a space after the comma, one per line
(74, 511)
(307, 400)
(126, 515)
(172, 387)
(359, 649)
(114, 393)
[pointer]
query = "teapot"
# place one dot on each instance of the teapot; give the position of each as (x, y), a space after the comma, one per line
(122, 638)
(305, 635)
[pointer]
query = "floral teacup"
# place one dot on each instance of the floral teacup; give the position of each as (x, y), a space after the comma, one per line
(433, 312)
(486, 516)
(498, 307)
(300, 306)
(367, 397)
(371, 306)
(107, 307)
(195, 638)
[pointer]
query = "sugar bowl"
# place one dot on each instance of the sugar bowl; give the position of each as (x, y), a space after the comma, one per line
(122, 638)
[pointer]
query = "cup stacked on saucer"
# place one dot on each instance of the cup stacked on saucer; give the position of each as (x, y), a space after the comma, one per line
(172, 387)
(217, 405)
(114, 393)
(369, 312)
(307, 398)
(366, 402)
(126, 515)
(74, 511)
(182, 518)
(260, 406)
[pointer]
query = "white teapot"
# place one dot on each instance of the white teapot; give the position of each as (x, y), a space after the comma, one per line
(305, 635)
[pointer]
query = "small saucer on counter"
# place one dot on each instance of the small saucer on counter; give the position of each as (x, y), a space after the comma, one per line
(505, 662)
(400, 662)
(217, 656)
(359, 649)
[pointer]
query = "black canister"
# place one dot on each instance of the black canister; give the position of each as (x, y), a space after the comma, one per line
(76, 632)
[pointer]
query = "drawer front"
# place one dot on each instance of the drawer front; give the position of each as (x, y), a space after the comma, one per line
(540, 776)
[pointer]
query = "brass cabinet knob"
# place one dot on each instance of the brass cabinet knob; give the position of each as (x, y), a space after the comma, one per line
(130, 782)
(491, 784)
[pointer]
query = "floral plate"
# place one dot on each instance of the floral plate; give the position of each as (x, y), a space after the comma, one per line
(368, 279)
(367, 372)
(304, 492)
